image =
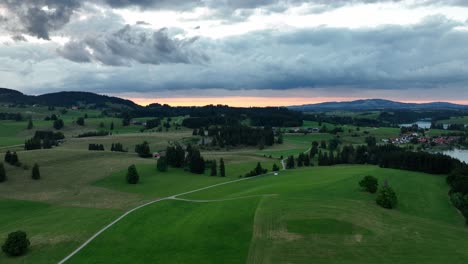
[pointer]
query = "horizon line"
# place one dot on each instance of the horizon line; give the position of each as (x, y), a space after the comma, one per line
(264, 101)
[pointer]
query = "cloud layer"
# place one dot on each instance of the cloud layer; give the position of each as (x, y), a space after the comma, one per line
(131, 44)
(99, 51)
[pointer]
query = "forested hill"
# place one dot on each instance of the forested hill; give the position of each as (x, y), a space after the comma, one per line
(66, 99)
(375, 104)
(199, 116)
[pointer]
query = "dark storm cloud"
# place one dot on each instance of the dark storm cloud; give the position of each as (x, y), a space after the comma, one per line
(132, 44)
(29, 16)
(427, 55)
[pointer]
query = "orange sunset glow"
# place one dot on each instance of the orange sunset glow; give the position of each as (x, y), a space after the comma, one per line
(249, 101)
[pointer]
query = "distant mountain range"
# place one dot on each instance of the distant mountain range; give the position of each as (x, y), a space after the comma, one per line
(68, 99)
(375, 104)
(61, 98)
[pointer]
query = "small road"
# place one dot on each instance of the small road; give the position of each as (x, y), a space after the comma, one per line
(173, 197)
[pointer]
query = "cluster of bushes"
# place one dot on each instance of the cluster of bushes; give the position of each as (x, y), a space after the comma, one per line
(12, 158)
(386, 197)
(52, 117)
(11, 116)
(93, 134)
(189, 158)
(51, 135)
(98, 147)
(117, 147)
(236, 135)
(143, 150)
(152, 123)
(257, 171)
(43, 139)
(35, 143)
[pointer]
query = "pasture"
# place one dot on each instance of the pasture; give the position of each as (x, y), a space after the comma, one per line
(312, 214)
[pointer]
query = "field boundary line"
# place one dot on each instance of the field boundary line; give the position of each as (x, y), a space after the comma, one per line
(173, 197)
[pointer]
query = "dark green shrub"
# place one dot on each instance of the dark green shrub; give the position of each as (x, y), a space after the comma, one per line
(132, 175)
(387, 197)
(36, 174)
(16, 244)
(369, 183)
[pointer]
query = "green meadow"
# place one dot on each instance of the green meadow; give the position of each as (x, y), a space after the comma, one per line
(317, 215)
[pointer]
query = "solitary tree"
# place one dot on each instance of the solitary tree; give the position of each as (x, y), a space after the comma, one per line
(222, 170)
(30, 124)
(275, 167)
(387, 197)
(214, 171)
(290, 162)
(8, 156)
(58, 124)
(112, 126)
(369, 183)
(162, 164)
(16, 244)
(2, 173)
(14, 158)
(36, 175)
(132, 175)
(80, 121)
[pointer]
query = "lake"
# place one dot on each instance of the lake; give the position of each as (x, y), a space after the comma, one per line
(460, 154)
(421, 123)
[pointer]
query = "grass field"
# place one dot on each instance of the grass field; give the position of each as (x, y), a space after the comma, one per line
(314, 214)
(455, 120)
(52, 230)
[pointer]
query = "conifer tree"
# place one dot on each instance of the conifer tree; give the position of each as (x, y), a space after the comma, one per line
(222, 170)
(290, 164)
(197, 163)
(112, 126)
(8, 157)
(30, 124)
(80, 121)
(275, 167)
(162, 164)
(2, 173)
(14, 158)
(132, 175)
(36, 175)
(214, 171)
(306, 160)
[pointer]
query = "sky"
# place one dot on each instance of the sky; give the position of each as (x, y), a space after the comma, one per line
(238, 52)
